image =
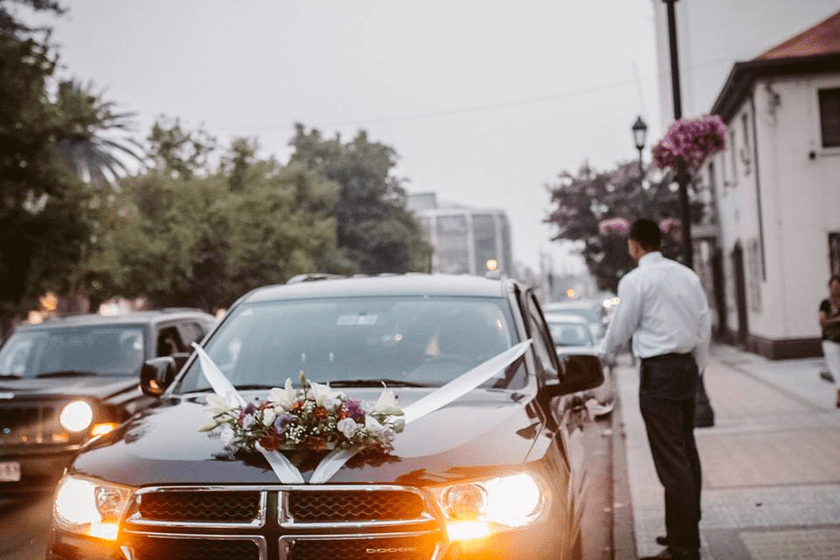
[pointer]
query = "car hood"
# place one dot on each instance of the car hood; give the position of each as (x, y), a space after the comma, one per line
(101, 387)
(163, 445)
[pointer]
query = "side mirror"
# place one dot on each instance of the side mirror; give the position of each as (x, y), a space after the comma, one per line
(580, 373)
(157, 374)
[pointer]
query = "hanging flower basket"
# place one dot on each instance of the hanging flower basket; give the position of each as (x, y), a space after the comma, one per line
(614, 226)
(690, 142)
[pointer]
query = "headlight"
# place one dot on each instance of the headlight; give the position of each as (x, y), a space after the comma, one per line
(76, 416)
(90, 507)
(478, 508)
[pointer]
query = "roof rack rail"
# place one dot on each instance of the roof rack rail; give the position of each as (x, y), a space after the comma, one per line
(312, 276)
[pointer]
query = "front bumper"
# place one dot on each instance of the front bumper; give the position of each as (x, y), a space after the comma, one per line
(273, 534)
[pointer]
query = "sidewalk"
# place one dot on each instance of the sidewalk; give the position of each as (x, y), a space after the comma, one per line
(771, 462)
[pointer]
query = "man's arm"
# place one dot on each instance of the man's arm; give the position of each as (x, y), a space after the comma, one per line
(624, 321)
(704, 331)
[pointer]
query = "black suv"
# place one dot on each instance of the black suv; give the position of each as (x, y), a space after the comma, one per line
(67, 380)
(482, 468)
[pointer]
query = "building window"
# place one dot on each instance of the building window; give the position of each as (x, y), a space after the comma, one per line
(745, 150)
(834, 252)
(453, 245)
(734, 154)
(830, 117)
(484, 232)
(754, 275)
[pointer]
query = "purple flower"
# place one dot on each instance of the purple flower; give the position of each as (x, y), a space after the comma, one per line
(354, 410)
(283, 422)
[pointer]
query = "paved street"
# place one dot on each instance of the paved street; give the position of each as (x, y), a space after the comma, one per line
(771, 462)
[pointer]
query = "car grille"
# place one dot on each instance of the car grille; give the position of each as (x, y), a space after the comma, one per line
(298, 523)
(335, 507)
(28, 424)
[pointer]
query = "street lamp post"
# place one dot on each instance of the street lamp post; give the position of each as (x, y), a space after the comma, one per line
(639, 137)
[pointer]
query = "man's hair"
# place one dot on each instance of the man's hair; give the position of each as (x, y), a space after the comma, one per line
(647, 233)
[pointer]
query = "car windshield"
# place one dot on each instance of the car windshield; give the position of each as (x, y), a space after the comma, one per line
(351, 342)
(570, 334)
(77, 351)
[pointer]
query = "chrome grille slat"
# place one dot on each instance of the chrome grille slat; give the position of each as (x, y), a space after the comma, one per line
(165, 518)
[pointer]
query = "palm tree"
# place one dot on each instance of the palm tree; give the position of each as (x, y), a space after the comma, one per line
(92, 137)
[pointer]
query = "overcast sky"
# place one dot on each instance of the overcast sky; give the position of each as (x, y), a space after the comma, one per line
(484, 101)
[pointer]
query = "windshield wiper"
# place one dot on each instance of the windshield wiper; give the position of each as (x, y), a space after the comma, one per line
(67, 373)
(10, 376)
(375, 383)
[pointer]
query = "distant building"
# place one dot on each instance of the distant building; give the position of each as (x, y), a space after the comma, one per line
(776, 189)
(464, 240)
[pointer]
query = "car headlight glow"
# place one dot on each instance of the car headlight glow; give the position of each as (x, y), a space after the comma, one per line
(478, 508)
(76, 416)
(90, 507)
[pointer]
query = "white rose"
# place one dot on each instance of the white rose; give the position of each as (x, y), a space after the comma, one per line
(347, 426)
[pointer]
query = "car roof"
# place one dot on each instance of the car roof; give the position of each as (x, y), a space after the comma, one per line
(134, 318)
(384, 285)
(573, 304)
(561, 318)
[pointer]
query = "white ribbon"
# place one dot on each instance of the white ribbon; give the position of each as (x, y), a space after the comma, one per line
(280, 464)
(332, 463)
(439, 398)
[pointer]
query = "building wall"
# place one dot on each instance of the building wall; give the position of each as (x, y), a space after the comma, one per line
(711, 37)
(798, 185)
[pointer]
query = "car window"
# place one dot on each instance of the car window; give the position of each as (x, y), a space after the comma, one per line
(543, 346)
(100, 350)
(427, 341)
(169, 342)
(570, 334)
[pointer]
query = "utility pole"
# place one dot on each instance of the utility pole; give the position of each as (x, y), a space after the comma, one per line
(704, 415)
(682, 172)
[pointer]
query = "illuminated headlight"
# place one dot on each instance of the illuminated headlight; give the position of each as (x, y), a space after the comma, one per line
(478, 508)
(76, 416)
(90, 507)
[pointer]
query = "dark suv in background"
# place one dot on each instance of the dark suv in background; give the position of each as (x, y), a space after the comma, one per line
(486, 470)
(67, 380)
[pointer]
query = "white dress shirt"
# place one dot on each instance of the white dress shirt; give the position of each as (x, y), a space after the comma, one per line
(663, 307)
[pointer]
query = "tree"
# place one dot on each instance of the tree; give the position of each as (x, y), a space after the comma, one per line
(590, 207)
(373, 225)
(201, 242)
(43, 218)
(90, 135)
(179, 152)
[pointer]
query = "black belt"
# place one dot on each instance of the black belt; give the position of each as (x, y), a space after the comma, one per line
(669, 356)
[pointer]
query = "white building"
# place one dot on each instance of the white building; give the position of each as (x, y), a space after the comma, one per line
(714, 34)
(776, 188)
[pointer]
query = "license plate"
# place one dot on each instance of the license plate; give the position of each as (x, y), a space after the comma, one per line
(10, 471)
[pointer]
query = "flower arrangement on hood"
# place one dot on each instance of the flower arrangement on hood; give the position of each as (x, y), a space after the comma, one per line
(690, 141)
(312, 418)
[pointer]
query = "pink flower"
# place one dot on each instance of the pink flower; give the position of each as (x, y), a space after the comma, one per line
(690, 141)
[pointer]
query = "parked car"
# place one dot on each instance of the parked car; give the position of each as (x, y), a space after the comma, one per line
(65, 381)
(481, 469)
(572, 336)
(592, 311)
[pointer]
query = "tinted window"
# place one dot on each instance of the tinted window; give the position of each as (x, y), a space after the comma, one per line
(101, 350)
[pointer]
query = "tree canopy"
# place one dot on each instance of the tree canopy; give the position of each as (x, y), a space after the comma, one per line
(584, 202)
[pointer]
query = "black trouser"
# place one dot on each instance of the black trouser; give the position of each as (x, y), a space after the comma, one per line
(666, 397)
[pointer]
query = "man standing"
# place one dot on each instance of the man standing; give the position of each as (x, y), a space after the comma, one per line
(663, 307)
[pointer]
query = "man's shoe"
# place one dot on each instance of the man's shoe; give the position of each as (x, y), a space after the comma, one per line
(663, 540)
